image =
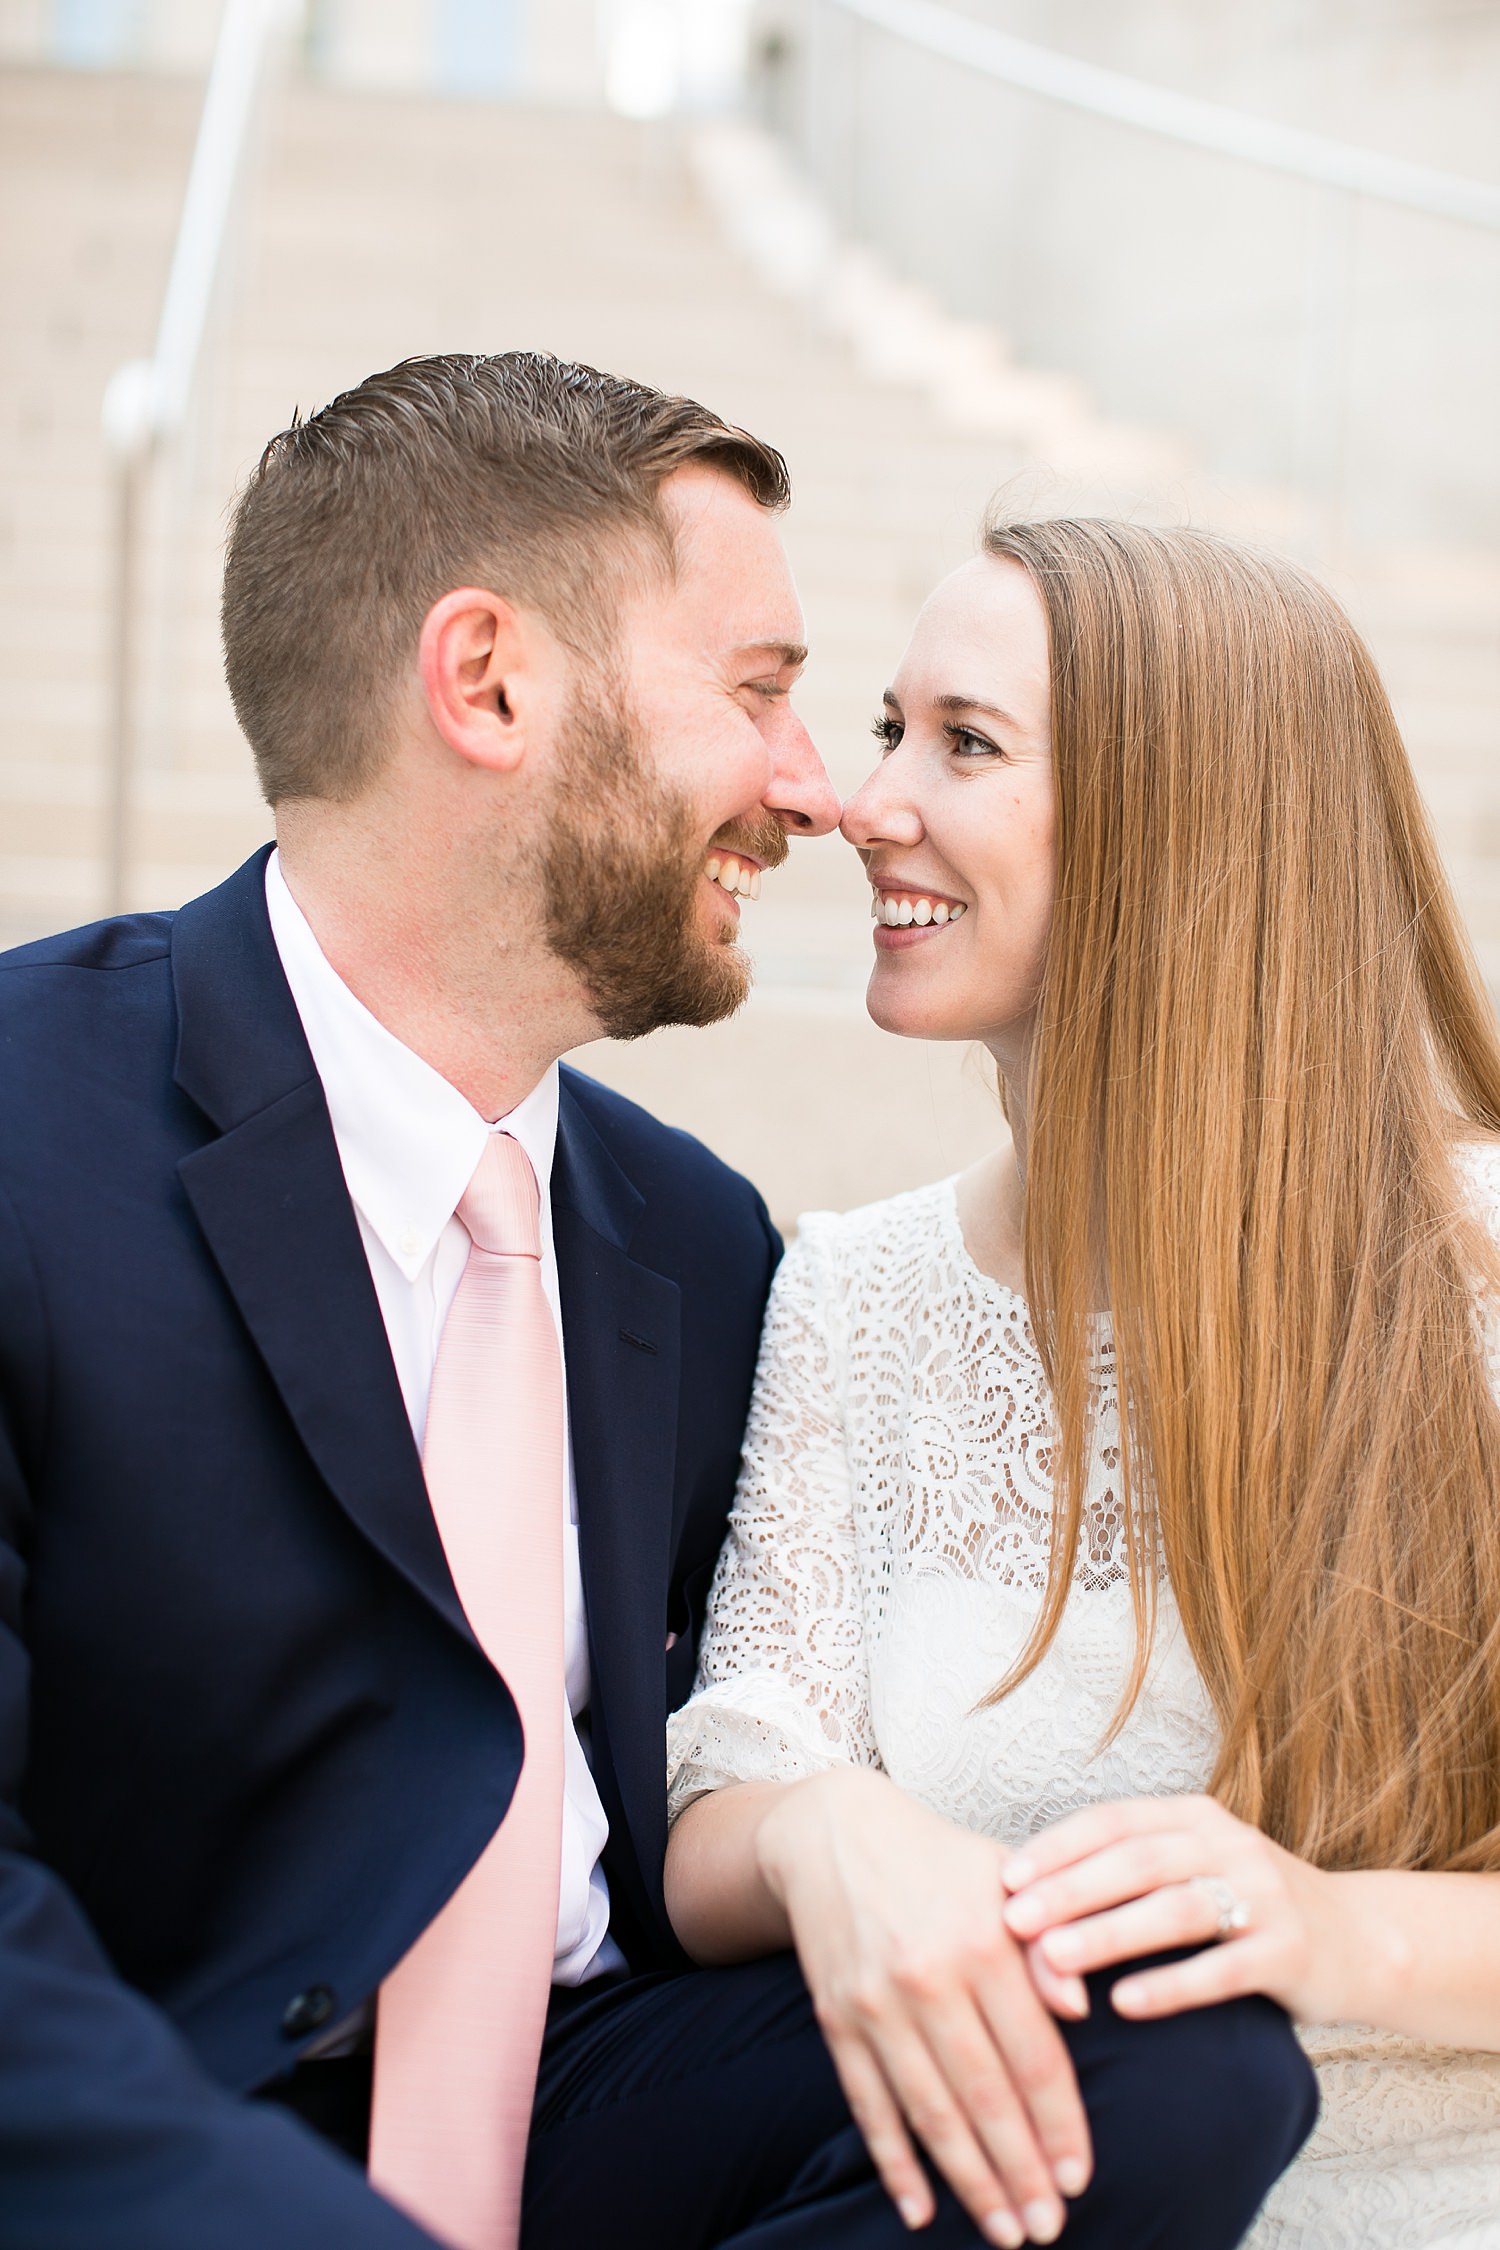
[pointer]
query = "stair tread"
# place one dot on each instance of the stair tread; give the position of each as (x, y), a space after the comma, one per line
(349, 260)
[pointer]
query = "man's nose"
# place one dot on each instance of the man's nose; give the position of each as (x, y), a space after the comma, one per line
(800, 794)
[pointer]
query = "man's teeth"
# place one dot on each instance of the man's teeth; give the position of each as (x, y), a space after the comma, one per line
(899, 913)
(733, 875)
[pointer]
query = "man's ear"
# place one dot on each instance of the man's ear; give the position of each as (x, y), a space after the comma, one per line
(485, 676)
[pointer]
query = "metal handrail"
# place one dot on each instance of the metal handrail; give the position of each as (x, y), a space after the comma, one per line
(1179, 117)
(146, 401)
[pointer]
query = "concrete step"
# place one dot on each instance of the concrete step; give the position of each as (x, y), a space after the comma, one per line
(589, 236)
(801, 1092)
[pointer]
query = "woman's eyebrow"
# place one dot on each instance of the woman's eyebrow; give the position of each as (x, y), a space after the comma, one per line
(958, 703)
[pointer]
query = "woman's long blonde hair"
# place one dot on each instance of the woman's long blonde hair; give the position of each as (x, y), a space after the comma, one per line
(1260, 1034)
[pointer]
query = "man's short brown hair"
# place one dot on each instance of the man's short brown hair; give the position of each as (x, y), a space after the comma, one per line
(531, 476)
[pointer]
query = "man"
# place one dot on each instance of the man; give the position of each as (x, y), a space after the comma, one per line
(302, 1234)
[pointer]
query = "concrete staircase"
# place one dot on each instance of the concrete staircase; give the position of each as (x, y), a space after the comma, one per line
(387, 225)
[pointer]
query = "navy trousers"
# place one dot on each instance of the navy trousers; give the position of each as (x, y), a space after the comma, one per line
(684, 2112)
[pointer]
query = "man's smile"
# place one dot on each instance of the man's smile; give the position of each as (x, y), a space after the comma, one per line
(734, 872)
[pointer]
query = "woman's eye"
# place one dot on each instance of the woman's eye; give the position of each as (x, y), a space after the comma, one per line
(886, 730)
(967, 744)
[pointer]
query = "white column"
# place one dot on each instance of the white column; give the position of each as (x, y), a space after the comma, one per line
(180, 34)
(25, 30)
(561, 52)
(378, 43)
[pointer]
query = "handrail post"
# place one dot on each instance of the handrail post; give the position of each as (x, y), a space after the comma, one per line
(130, 424)
(147, 400)
(128, 482)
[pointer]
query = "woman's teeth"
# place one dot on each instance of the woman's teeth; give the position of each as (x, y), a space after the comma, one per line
(734, 875)
(899, 913)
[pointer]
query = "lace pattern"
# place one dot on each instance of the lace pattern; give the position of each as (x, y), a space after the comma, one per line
(888, 1551)
(884, 1565)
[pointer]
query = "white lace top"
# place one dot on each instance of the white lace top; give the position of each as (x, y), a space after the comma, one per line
(885, 1561)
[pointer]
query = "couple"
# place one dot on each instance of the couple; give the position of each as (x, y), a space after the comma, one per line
(305, 1240)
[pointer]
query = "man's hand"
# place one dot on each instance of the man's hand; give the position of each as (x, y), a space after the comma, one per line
(935, 2023)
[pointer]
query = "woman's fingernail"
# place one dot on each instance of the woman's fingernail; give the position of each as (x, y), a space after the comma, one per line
(1128, 1995)
(1044, 2222)
(1017, 1873)
(1005, 2228)
(1071, 2175)
(913, 2211)
(1076, 1994)
(1062, 1948)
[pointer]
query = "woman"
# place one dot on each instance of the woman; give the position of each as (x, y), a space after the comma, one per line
(1131, 1503)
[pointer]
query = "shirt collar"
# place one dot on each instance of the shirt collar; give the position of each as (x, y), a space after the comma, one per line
(407, 1139)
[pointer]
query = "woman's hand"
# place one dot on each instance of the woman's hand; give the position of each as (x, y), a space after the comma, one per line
(1154, 1873)
(927, 2002)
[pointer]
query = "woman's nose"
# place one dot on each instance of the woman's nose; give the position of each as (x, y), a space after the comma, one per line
(880, 812)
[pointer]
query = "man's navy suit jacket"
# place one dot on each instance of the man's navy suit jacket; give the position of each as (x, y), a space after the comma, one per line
(248, 1745)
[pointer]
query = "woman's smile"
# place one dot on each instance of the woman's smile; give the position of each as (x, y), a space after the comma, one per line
(906, 912)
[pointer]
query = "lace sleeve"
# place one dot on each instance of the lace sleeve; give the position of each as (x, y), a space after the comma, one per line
(1479, 1171)
(782, 1688)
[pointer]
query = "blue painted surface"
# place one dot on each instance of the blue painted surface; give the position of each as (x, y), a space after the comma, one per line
(96, 34)
(478, 46)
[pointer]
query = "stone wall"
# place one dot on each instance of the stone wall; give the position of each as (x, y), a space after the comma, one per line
(1295, 335)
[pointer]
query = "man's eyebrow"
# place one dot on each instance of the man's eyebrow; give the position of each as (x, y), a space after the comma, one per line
(785, 652)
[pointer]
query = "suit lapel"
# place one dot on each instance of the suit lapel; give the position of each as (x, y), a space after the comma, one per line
(621, 1323)
(270, 1197)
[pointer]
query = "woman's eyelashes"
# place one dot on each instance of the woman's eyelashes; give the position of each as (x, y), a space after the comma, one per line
(966, 743)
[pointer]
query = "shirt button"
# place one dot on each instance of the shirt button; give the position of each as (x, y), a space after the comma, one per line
(410, 1243)
(308, 2011)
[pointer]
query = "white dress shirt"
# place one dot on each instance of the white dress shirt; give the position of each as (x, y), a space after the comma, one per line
(408, 1142)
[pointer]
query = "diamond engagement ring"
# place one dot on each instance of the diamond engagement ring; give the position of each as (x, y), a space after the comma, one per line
(1233, 1913)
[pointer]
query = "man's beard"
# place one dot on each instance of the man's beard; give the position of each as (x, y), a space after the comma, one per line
(621, 869)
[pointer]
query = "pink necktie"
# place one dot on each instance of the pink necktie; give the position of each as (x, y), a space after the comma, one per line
(460, 2018)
